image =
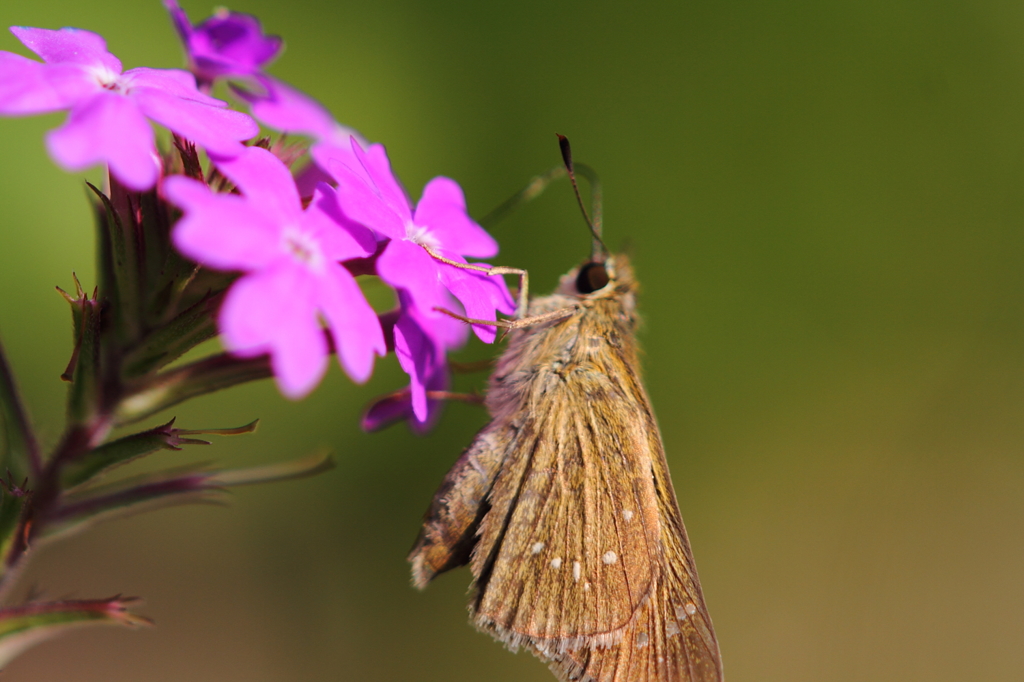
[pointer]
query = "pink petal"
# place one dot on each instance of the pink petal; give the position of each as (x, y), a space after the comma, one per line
(416, 355)
(405, 265)
(265, 181)
(300, 360)
(219, 131)
(326, 153)
(107, 128)
(284, 108)
(387, 410)
(170, 81)
(222, 231)
(69, 46)
(447, 332)
(309, 176)
(353, 324)
(360, 201)
(232, 42)
(480, 294)
(24, 87)
(273, 311)
(340, 238)
(377, 166)
(442, 210)
(71, 82)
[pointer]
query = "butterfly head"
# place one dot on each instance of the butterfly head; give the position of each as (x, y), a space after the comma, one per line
(602, 278)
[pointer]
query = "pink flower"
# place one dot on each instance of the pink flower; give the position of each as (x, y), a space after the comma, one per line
(370, 195)
(291, 260)
(107, 123)
(226, 44)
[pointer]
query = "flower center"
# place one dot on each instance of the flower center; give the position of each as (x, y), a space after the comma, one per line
(420, 234)
(303, 247)
(108, 80)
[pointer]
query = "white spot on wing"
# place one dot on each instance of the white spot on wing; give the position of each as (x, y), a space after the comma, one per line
(628, 515)
(641, 640)
(691, 608)
(537, 547)
(586, 587)
(556, 562)
(609, 557)
(577, 570)
(680, 613)
(672, 628)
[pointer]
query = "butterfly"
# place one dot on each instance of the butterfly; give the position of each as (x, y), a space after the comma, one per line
(563, 505)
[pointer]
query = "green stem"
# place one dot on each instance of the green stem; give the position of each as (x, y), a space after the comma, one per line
(21, 443)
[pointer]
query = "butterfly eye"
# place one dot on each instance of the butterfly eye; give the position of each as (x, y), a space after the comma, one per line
(593, 276)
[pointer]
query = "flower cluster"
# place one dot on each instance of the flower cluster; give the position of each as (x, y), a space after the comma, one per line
(295, 239)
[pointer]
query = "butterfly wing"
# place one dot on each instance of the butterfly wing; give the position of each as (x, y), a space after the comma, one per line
(449, 526)
(670, 638)
(569, 549)
(582, 556)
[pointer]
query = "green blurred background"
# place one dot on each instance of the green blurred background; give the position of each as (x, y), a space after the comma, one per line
(825, 204)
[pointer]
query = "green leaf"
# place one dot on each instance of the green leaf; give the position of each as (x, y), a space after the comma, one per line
(184, 485)
(164, 437)
(25, 626)
(316, 463)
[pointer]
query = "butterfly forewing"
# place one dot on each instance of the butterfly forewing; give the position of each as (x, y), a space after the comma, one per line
(670, 639)
(578, 549)
(569, 549)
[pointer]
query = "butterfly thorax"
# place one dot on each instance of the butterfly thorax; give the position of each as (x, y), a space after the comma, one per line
(597, 337)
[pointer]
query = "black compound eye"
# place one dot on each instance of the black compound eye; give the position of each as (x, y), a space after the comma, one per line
(593, 276)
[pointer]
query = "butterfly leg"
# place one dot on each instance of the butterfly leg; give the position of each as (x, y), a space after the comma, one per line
(523, 295)
(559, 314)
(470, 367)
(473, 398)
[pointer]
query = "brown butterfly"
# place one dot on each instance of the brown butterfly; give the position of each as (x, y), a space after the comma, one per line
(563, 505)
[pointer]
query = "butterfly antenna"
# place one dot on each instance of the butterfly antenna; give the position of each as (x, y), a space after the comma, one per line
(599, 249)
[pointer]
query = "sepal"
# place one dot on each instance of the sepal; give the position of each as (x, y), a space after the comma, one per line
(24, 626)
(100, 460)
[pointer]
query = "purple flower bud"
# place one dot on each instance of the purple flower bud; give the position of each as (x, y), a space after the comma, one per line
(226, 44)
